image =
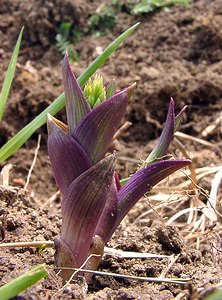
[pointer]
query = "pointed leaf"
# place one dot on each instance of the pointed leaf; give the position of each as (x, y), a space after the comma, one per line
(84, 203)
(67, 157)
(77, 106)
(95, 132)
(162, 145)
(142, 182)
(109, 214)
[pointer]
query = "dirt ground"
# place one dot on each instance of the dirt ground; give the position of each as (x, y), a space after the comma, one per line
(174, 53)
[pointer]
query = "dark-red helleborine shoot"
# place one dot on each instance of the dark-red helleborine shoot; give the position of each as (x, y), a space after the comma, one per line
(93, 203)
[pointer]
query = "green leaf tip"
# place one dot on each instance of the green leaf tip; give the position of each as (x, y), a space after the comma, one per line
(9, 75)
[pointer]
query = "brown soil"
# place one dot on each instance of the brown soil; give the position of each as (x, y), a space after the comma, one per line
(175, 53)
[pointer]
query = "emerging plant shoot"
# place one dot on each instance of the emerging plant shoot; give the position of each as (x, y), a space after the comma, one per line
(93, 201)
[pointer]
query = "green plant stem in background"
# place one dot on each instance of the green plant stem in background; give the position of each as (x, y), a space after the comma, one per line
(23, 135)
(22, 282)
(9, 76)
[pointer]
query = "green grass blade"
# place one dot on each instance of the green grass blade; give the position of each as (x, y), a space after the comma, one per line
(216, 295)
(124, 181)
(23, 135)
(9, 75)
(22, 282)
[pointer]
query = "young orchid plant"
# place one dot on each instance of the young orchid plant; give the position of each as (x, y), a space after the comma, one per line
(93, 202)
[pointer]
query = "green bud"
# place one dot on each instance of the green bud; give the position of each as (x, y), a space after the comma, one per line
(95, 91)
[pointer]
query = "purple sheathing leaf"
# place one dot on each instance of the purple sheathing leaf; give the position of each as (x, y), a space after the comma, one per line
(142, 182)
(84, 202)
(77, 106)
(162, 145)
(95, 132)
(108, 216)
(64, 257)
(68, 159)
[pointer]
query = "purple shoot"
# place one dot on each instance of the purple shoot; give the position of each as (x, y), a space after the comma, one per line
(93, 202)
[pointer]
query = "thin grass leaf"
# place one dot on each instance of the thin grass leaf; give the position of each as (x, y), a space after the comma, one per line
(9, 75)
(22, 282)
(124, 181)
(216, 295)
(23, 135)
